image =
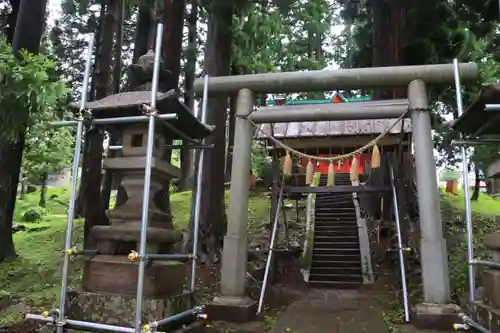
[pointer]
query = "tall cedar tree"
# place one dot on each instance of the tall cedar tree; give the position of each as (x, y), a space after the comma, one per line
(187, 167)
(92, 163)
(173, 24)
(25, 33)
(217, 63)
(117, 71)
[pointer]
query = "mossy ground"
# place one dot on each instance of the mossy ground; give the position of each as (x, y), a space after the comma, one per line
(34, 278)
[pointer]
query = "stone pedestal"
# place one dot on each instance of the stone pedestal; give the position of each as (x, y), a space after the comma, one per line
(440, 317)
(118, 309)
(232, 309)
(118, 275)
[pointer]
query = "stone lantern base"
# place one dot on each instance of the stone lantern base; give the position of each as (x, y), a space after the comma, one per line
(118, 275)
(115, 309)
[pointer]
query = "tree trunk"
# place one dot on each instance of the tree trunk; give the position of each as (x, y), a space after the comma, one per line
(117, 69)
(477, 185)
(43, 190)
(217, 63)
(230, 126)
(80, 204)
(187, 166)
(23, 189)
(26, 33)
(173, 24)
(388, 47)
(92, 174)
(143, 30)
(97, 49)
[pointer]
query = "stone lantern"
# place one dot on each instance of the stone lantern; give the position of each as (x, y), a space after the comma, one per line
(110, 276)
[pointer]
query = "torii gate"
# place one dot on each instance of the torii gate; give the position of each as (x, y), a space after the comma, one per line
(233, 304)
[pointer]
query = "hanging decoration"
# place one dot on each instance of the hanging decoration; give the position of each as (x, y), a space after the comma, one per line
(375, 157)
(287, 166)
(354, 170)
(309, 172)
(331, 175)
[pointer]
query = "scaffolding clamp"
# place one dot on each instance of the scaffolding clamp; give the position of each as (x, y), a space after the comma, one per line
(71, 251)
(148, 110)
(464, 327)
(134, 256)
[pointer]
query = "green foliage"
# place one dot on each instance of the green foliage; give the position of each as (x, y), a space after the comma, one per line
(46, 150)
(27, 90)
(261, 163)
(484, 221)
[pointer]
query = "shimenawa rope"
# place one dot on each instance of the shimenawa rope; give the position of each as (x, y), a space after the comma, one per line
(334, 158)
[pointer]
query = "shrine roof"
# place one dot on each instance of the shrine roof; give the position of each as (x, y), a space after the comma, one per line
(130, 103)
(476, 121)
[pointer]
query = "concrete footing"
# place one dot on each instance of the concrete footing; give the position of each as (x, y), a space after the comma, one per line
(435, 316)
(232, 309)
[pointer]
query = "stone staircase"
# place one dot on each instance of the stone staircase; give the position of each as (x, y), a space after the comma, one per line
(336, 259)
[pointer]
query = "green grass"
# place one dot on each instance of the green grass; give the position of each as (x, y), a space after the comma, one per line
(34, 278)
(485, 205)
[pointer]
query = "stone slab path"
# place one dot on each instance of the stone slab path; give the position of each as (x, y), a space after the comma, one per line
(332, 311)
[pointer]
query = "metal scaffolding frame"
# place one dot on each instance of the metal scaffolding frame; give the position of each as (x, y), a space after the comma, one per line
(58, 317)
(468, 322)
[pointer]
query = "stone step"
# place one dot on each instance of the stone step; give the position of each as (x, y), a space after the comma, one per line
(336, 251)
(338, 245)
(337, 277)
(336, 209)
(327, 225)
(327, 233)
(336, 270)
(322, 263)
(342, 257)
(336, 239)
(334, 285)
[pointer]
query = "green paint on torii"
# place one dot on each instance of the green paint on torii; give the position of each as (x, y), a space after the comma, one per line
(336, 98)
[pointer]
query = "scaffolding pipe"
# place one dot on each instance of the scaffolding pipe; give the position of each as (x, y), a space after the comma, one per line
(78, 324)
(470, 322)
(492, 107)
(151, 327)
(172, 147)
(323, 80)
(475, 142)
(74, 179)
(197, 203)
(486, 263)
(115, 120)
(400, 245)
(271, 249)
(166, 257)
(468, 209)
(147, 183)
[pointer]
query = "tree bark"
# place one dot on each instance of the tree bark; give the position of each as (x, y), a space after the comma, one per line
(217, 63)
(477, 185)
(143, 30)
(92, 174)
(230, 138)
(187, 166)
(119, 7)
(26, 32)
(387, 39)
(43, 190)
(173, 24)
